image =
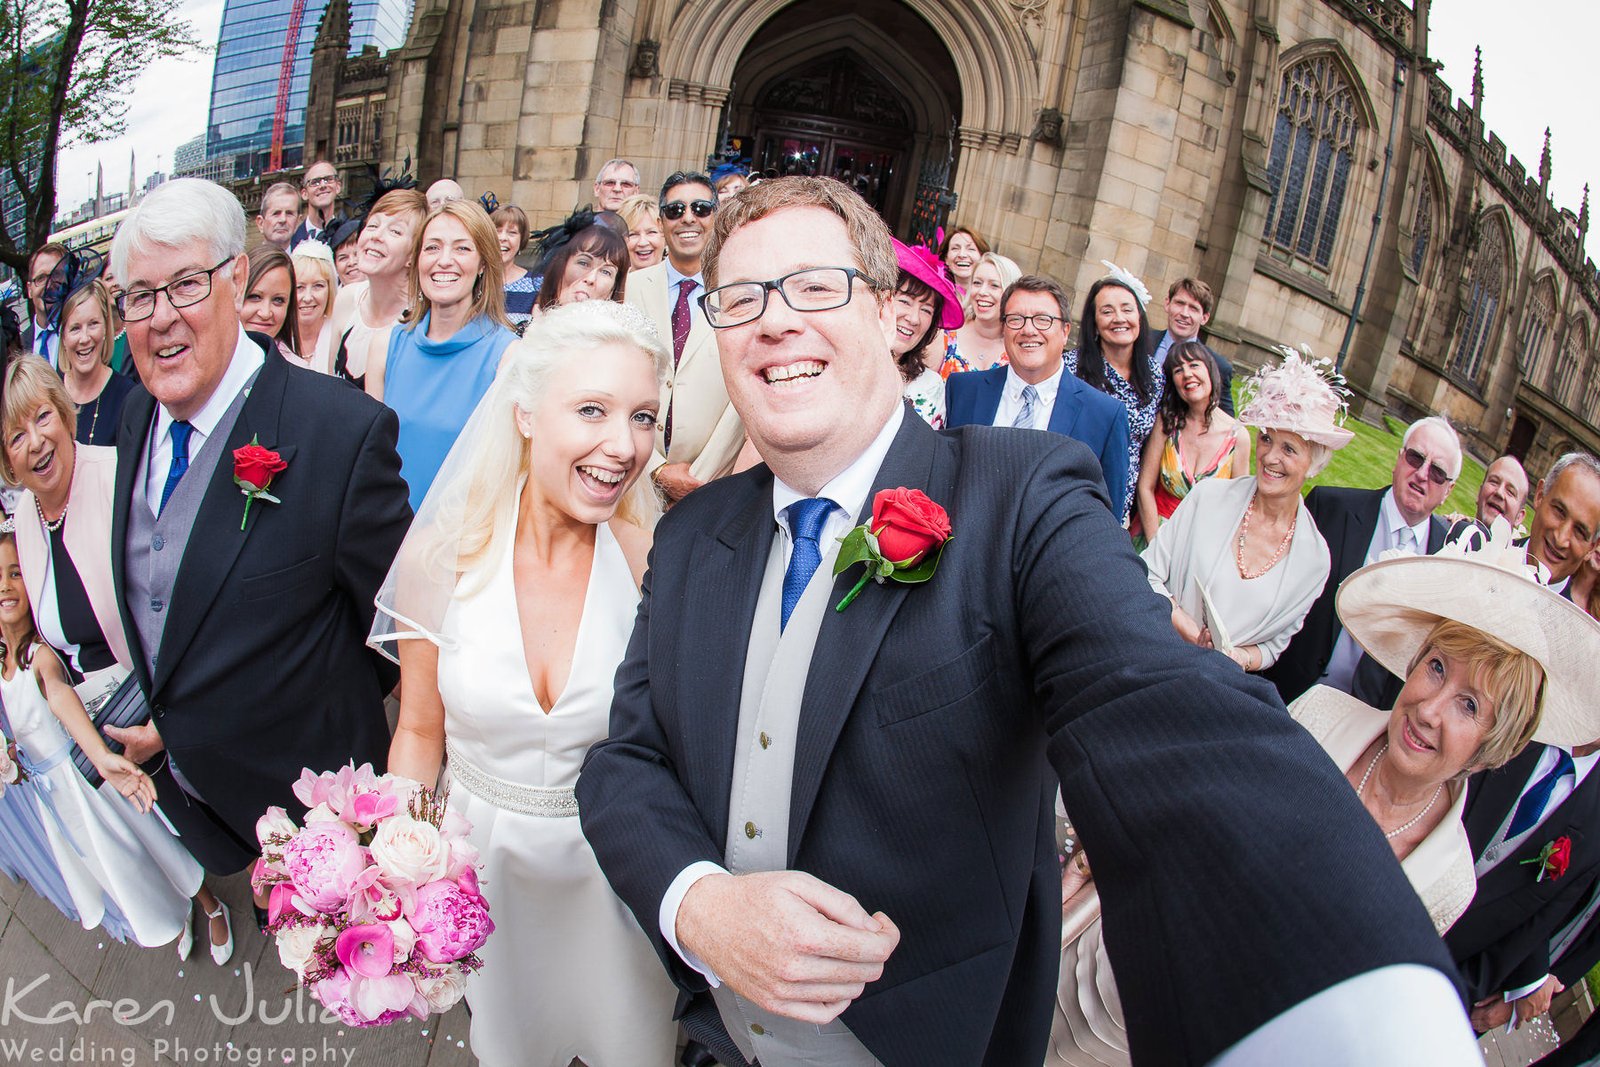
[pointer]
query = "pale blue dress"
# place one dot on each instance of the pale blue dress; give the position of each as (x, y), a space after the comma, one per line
(433, 386)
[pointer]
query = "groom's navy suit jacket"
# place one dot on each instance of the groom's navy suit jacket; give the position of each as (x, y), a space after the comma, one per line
(1080, 411)
(1239, 873)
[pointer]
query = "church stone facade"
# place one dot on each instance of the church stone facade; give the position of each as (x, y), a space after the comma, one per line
(1294, 153)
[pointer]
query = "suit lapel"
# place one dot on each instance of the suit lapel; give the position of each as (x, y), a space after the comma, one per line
(716, 614)
(848, 641)
(137, 415)
(1437, 528)
(1069, 403)
(1491, 795)
(987, 399)
(216, 539)
(1360, 525)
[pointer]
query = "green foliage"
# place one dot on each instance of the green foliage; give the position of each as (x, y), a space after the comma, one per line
(65, 70)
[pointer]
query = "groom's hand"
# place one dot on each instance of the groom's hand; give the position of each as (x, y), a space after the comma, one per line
(794, 945)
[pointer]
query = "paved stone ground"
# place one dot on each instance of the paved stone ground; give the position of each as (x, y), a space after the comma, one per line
(63, 985)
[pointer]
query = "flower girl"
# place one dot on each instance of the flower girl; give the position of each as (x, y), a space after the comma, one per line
(110, 845)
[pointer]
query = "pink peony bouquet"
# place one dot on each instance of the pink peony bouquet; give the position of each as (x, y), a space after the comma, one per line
(375, 902)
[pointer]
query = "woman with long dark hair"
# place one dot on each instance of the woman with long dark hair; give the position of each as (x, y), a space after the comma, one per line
(592, 265)
(1117, 356)
(1193, 439)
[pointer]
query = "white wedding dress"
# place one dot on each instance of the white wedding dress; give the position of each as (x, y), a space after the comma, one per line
(104, 848)
(567, 972)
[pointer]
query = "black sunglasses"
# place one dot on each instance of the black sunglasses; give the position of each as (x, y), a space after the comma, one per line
(702, 209)
(1436, 473)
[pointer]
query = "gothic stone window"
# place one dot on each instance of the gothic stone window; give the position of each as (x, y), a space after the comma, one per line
(1591, 392)
(1483, 302)
(1312, 146)
(1535, 338)
(1422, 226)
(1565, 386)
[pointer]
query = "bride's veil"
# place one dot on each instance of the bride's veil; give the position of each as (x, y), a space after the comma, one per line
(472, 503)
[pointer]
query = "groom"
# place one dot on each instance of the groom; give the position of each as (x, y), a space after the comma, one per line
(836, 828)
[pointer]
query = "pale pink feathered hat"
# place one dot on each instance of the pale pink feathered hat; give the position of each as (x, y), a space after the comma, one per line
(1302, 394)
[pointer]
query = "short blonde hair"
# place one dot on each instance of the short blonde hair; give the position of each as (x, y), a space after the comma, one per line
(869, 236)
(30, 382)
(638, 206)
(97, 293)
(1508, 676)
(488, 291)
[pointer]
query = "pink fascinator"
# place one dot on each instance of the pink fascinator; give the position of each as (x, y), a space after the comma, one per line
(923, 265)
(1302, 394)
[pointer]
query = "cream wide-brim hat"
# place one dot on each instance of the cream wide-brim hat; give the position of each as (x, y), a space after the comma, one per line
(1390, 606)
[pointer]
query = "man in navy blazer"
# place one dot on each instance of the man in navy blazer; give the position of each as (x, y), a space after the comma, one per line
(1033, 316)
(880, 884)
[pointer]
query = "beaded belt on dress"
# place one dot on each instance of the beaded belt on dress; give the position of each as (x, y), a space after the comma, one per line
(544, 801)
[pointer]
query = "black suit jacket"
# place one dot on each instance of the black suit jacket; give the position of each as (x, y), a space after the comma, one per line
(1346, 518)
(1502, 941)
(263, 667)
(935, 722)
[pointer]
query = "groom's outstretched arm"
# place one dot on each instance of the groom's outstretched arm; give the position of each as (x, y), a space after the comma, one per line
(1238, 873)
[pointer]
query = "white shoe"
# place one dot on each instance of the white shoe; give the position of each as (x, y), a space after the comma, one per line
(224, 952)
(186, 939)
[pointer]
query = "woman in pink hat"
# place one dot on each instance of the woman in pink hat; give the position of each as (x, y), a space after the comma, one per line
(925, 305)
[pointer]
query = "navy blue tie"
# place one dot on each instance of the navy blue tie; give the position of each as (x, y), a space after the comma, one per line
(1535, 799)
(806, 519)
(180, 460)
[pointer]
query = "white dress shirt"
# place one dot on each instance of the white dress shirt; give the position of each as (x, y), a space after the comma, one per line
(1392, 532)
(848, 490)
(247, 360)
(1011, 399)
(47, 344)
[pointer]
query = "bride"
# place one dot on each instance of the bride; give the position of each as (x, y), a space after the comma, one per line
(509, 606)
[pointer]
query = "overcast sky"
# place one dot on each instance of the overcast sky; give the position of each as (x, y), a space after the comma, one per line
(1532, 65)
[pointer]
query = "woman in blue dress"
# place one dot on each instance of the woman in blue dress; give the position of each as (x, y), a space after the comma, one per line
(443, 356)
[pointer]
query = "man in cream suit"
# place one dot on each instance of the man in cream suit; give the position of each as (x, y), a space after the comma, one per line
(699, 435)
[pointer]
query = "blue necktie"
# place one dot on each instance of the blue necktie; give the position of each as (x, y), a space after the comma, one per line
(806, 519)
(1024, 419)
(1534, 800)
(180, 460)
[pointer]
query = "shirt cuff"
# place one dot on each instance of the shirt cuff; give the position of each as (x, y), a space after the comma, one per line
(667, 917)
(1519, 993)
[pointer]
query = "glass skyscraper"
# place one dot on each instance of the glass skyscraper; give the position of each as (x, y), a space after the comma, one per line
(244, 84)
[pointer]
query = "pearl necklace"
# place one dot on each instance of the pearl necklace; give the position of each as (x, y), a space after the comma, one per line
(1390, 835)
(52, 527)
(1244, 528)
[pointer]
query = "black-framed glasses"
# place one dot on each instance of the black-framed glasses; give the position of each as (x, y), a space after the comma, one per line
(1041, 322)
(812, 289)
(674, 209)
(136, 305)
(1436, 474)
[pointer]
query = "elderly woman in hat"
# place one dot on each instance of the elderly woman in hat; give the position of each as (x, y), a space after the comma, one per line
(1241, 559)
(1492, 659)
(925, 305)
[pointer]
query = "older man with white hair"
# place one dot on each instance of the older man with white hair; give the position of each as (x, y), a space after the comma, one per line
(1359, 525)
(257, 508)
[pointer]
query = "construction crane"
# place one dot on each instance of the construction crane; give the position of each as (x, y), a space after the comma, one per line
(280, 111)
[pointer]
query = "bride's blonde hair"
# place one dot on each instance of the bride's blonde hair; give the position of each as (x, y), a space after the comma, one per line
(476, 485)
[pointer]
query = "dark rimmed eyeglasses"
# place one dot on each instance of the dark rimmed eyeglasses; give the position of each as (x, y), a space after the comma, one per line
(1436, 474)
(812, 289)
(674, 209)
(136, 305)
(1040, 322)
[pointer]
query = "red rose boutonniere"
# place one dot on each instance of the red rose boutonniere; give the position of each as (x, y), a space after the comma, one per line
(904, 541)
(1553, 859)
(253, 468)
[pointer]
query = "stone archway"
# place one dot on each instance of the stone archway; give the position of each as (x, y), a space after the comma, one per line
(867, 95)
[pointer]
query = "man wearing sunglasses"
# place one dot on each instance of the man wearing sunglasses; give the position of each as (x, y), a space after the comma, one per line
(1359, 525)
(699, 435)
